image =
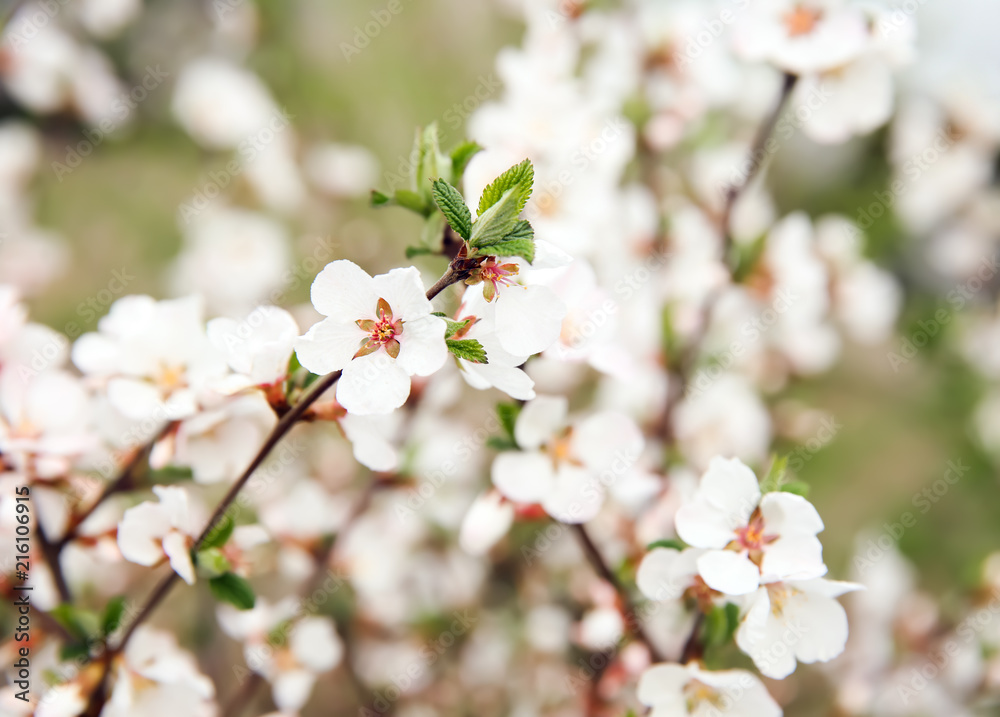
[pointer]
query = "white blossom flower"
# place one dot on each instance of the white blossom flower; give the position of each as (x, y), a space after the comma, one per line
(566, 468)
(666, 574)
(689, 691)
(486, 522)
(379, 331)
(789, 621)
(156, 678)
(257, 348)
(308, 647)
(154, 355)
(750, 538)
(150, 532)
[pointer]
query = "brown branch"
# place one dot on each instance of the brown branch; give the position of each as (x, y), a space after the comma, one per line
(757, 151)
(458, 270)
(693, 647)
(597, 562)
(241, 700)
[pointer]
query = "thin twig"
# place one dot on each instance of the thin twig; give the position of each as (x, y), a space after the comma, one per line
(597, 562)
(241, 700)
(757, 152)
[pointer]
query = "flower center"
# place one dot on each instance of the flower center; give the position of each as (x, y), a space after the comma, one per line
(382, 331)
(560, 449)
(492, 276)
(698, 693)
(802, 20)
(752, 538)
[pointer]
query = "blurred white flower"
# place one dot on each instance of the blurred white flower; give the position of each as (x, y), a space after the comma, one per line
(342, 170)
(150, 532)
(156, 678)
(486, 522)
(153, 355)
(566, 467)
(688, 690)
(257, 348)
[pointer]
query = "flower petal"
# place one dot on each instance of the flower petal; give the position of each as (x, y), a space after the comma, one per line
(329, 345)
(523, 477)
(728, 572)
(528, 318)
(344, 291)
(576, 495)
(662, 686)
(422, 349)
(373, 384)
(539, 420)
(178, 549)
(404, 290)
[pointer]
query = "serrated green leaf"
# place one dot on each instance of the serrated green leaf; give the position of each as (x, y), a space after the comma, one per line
(233, 589)
(460, 157)
(517, 247)
(413, 201)
(453, 207)
(380, 199)
(775, 476)
(212, 563)
(453, 327)
(468, 349)
(114, 611)
(518, 178)
(497, 222)
(219, 534)
(797, 487)
(508, 413)
(667, 543)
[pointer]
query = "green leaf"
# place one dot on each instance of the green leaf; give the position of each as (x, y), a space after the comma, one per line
(413, 201)
(721, 624)
(412, 251)
(430, 162)
(519, 178)
(668, 543)
(379, 199)
(797, 487)
(231, 588)
(453, 207)
(518, 247)
(74, 651)
(498, 443)
(219, 534)
(114, 611)
(460, 157)
(453, 327)
(508, 413)
(468, 349)
(212, 563)
(497, 222)
(776, 476)
(170, 474)
(79, 623)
